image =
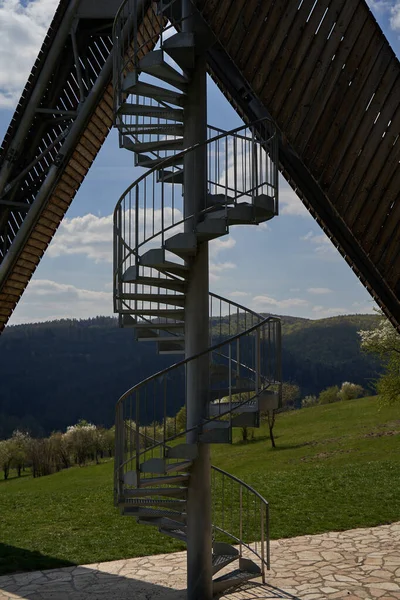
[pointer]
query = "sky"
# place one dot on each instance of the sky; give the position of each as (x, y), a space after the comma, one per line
(286, 267)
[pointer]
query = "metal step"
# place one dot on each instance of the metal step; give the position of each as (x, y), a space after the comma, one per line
(187, 451)
(220, 408)
(246, 420)
(240, 214)
(182, 244)
(181, 48)
(219, 561)
(268, 400)
(155, 259)
(147, 513)
(142, 160)
(166, 480)
(156, 146)
(264, 208)
(217, 394)
(233, 579)
(153, 63)
(147, 90)
(224, 548)
(175, 177)
(173, 299)
(175, 492)
(161, 465)
(218, 199)
(178, 534)
(171, 348)
(132, 275)
(175, 504)
(216, 432)
(162, 326)
(146, 110)
(151, 335)
(162, 313)
(210, 229)
(164, 129)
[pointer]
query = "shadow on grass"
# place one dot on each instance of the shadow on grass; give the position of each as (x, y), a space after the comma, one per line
(13, 477)
(52, 578)
(14, 560)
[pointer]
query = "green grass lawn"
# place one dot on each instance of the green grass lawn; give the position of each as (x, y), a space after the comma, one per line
(335, 467)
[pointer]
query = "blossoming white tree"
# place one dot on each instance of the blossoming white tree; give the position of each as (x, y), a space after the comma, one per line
(384, 340)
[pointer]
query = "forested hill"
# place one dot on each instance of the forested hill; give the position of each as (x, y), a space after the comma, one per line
(52, 374)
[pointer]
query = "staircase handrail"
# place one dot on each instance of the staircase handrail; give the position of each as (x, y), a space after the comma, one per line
(261, 548)
(196, 356)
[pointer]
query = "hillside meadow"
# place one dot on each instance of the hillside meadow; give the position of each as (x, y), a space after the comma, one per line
(335, 467)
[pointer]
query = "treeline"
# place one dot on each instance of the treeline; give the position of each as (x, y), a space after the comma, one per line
(56, 373)
(81, 443)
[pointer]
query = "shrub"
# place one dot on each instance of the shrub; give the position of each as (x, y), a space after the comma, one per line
(330, 395)
(350, 391)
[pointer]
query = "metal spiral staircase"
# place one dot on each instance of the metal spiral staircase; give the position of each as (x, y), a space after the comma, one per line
(156, 239)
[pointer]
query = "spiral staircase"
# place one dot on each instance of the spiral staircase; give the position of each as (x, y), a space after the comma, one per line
(156, 238)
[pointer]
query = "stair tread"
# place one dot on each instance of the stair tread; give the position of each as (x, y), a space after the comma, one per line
(149, 90)
(236, 575)
(156, 512)
(157, 491)
(164, 480)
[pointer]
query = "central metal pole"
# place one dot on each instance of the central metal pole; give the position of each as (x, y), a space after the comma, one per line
(199, 538)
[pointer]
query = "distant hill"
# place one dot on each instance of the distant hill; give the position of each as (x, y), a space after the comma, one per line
(54, 373)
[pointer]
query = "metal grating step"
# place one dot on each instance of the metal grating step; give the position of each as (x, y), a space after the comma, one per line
(233, 579)
(219, 561)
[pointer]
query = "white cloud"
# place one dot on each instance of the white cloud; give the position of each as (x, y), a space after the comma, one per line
(395, 17)
(218, 245)
(45, 300)
(265, 302)
(323, 245)
(239, 294)
(217, 269)
(320, 290)
(290, 203)
(22, 30)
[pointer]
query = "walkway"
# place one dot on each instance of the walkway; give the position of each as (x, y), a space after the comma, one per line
(361, 564)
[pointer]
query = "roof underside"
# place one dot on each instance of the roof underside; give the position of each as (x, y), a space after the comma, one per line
(325, 73)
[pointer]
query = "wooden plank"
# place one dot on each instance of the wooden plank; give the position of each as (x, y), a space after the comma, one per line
(355, 99)
(222, 14)
(360, 124)
(32, 250)
(69, 181)
(295, 46)
(228, 27)
(311, 143)
(304, 64)
(53, 212)
(75, 175)
(88, 137)
(97, 124)
(45, 231)
(27, 261)
(93, 129)
(13, 287)
(380, 170)
(20, 270)
(240, 29)
(13, 297)
(39, 236)
(49, 219)
(260, 66)
(61, 199)
(89, 146)
(388, 235)
(75, 169)
(315, 81)
(79, 159)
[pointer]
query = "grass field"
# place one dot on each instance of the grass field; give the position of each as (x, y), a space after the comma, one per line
(335, 467)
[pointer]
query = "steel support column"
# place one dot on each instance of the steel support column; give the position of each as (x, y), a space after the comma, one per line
(199, 540)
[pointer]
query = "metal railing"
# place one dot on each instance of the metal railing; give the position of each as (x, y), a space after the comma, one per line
(152, 208)
(240, 515)
(248, 364)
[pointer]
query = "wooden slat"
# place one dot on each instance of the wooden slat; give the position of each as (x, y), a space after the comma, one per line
(359, 127)
(381, 168)
(349, 117)
(296, 42)
(261, 62)
(316, 82)
(228, 27)
(305, 55)
(359, 55)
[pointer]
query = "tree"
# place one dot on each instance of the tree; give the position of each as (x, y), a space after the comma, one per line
(384, 341)
(5, 457)
(350, 391)
(329, 395)
(19, 449)
(290, 394)
(309, 401)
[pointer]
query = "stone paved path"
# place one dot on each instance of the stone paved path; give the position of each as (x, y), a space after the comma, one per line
(351, 565)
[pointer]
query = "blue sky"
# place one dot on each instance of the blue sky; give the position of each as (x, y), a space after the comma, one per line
(288, 267)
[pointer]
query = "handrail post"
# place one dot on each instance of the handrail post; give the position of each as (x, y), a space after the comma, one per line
(268, 538)
(262, 543)
(257, 360)
(240, 519)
